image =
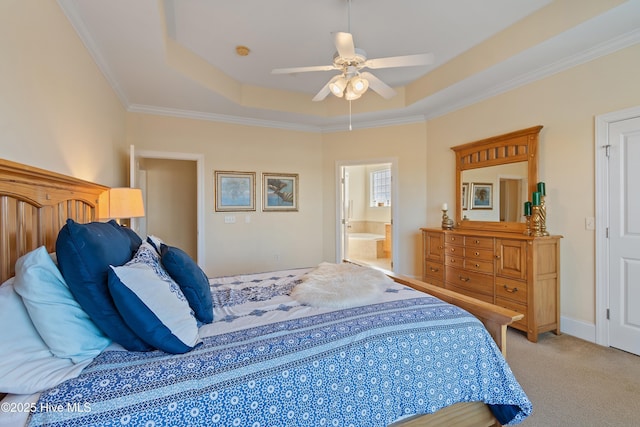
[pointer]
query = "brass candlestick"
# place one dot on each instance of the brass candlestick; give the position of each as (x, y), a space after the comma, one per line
(447, 223)
(538, 219)
(527, 231)
(543, 217)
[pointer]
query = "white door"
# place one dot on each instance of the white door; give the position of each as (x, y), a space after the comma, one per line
(624, 235)
(346, 213)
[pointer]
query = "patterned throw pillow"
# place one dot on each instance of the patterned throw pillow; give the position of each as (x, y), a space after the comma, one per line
(152, 304)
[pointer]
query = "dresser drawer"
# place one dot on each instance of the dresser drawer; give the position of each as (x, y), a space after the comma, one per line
(435, 282)
(478, 242)
(451, 250)
(519, 308)
(469, 293)
(479, 253)
(511, 289)
(453, 239)
(477, 265)
(476, 282)
(434, 270)
(454, 261)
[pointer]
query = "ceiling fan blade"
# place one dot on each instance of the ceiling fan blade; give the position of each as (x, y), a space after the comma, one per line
(378, 86)
(323, 93)
(294, 70)
(344, 45)
(400, 61)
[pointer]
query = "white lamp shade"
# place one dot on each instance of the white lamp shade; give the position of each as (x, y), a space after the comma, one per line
(337, 85)
(118, 203)
(359, 85)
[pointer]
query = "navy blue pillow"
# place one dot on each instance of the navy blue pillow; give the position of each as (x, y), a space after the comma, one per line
(84, 253)
(135, 240)
(193, 282)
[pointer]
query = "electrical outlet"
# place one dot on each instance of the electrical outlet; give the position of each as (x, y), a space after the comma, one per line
(590, 223)
(229, 219)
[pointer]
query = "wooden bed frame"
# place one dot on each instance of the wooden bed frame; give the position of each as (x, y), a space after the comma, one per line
(35, 203)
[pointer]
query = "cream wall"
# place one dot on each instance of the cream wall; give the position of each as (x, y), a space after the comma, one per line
(270, 240)
(407, 144)
(57, 111)
(566, 104)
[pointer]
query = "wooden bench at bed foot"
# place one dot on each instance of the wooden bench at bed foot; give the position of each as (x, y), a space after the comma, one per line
(465, 414)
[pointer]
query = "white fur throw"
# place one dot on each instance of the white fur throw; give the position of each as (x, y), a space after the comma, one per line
(340, 286)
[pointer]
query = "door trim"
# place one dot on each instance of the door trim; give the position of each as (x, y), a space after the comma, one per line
(602, 218)
(394, 204)
(199, 159)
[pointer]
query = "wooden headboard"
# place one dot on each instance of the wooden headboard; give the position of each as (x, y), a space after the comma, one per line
(34, 205)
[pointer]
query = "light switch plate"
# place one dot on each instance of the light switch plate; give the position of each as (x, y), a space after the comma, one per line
(590, 223)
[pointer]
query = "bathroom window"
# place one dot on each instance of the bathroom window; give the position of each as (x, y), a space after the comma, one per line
(380, 184)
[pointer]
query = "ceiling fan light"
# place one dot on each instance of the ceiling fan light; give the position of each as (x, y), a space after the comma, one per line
(359, 85)
(337, 85)
(350, 95)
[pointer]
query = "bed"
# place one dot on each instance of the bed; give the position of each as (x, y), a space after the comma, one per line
(269, 358)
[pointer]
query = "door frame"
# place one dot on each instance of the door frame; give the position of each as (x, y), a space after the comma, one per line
(602, 218)
(340, 164)
(199, 159)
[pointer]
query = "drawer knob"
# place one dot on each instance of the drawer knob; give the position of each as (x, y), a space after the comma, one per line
(464, 279)
(477, 242)
(497, 256)
(435, 270)
(477, 253)
(511, 290)
(477, 265)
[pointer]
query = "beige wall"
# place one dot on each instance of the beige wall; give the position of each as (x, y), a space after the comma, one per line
(57, 111)
(566, 104)
(270, 240)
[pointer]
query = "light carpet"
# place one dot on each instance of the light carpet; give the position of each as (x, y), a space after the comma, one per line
(572, 382)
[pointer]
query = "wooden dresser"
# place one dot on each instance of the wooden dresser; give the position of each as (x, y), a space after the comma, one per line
(511, 270)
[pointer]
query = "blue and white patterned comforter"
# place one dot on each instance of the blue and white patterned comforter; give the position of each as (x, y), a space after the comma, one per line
(269, 361)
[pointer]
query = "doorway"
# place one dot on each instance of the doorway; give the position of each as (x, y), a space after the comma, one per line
(173, 190)
(366, 213)
(618, 230)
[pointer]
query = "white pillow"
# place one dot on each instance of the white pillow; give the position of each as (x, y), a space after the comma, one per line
(26, 364)
(152, 304)
(63, 325)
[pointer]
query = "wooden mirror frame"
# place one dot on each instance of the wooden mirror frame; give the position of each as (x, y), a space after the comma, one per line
(518, 146)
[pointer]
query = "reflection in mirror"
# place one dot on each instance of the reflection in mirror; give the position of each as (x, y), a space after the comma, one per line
(504, 170)
(508, 188)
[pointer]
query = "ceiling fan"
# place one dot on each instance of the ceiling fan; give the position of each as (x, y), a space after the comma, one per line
(352, 82)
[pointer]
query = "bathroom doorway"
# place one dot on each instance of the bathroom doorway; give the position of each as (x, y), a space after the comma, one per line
(367, 213)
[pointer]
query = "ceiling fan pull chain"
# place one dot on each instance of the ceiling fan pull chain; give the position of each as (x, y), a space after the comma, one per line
(350, 128)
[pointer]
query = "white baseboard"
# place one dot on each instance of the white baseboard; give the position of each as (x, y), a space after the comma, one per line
(578, 328)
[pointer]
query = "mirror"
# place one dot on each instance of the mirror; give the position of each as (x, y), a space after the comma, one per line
(494, 177)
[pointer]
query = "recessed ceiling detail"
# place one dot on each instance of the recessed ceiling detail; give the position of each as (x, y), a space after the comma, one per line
(173, 57)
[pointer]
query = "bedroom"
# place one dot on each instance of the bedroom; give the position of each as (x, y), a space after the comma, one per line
(58, 112)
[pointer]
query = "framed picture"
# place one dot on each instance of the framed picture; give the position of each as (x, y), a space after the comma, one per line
(235, 191)
(465, 196)
(481, 196)
(279, 192)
